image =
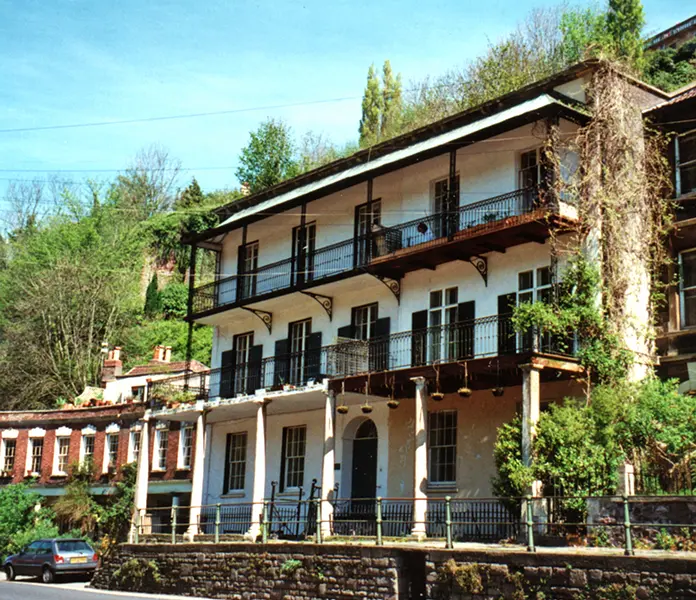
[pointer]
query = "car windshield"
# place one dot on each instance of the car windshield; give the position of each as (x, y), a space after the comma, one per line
(73, 546)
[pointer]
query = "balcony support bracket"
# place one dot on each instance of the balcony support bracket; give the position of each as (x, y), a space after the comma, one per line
(480, 263)
(393, 285)
(266, 317)
(326, 302)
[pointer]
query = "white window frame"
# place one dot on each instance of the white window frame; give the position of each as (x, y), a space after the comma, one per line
(111, 431)
(62, 434)
(244, 436)
(533, 294)
(682, 289)
(185, 453)
(159, 463)
(133, 445)
(432, 448)
(678, 164)
(87, 432)
(521, 169)
(287, 457)
(440, 339)
(3, 457)
(34, 434)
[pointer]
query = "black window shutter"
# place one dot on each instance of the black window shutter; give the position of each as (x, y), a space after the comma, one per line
(241, 255)
(226, 480)
(227, 373)
(466, 329)
(282, 459)
(379, 347)
(255, 361)
(419, 339)
(506, 333)
(282, 364)
(346, 331)
(313, 357)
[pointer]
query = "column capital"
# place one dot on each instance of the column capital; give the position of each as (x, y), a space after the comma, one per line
(262, 401)
(532, 366)
(147, 416)
(419, 381)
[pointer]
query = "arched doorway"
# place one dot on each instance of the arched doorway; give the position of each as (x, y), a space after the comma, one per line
(364, 463)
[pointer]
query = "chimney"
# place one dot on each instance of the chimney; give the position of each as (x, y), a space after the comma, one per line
(167, 354)
(112, 367)
(245, 189)
(158, 354)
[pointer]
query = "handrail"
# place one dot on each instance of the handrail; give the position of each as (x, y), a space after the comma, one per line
(357, 252)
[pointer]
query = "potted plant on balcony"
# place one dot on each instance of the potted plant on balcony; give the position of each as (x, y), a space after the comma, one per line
(465, 391)
(437, 395)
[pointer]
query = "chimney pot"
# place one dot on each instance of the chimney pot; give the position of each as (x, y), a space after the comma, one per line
(158, 353)
(167, 354)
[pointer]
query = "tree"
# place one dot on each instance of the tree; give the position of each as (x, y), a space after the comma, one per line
(22, 519)
(671, 69)
(391, 101)
(372, 104)
(191, 197)
(316, 150)
(625, 20)
(152, 297)
(584, 34)
(269, 157)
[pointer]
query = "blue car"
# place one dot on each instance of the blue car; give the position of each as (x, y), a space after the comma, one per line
(53, 557)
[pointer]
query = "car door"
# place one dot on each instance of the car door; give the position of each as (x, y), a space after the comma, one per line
(43, 555)
(22, 564)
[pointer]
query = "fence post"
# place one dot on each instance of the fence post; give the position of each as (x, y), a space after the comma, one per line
(379, 521)
(137, 526)
(530, 526)
(264, 523)
(173, 524)
(627, 527)
(448, 522)
(217, 523)
(318, 501)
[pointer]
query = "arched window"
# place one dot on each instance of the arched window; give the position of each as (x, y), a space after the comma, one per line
(366, 431)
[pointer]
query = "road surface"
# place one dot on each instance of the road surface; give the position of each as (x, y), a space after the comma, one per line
(27, 588)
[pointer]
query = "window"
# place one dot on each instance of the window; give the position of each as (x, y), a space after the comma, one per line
(242, 347)
(294, 443)
(530, 169)
(442, 316)
(303, 253)
(111, 450)
(534, 286)
(442, 446)
(138, 393)
(687, 288)
(134, 450)
(367, 217)
(445, 207)
(235, 462)
(686, 163)
(249, 262)
(87, 448)
(63, 446)
(9, 449)
(299, 333)
(363, 321)
(159, 459)
(185, 447)
(36, 454)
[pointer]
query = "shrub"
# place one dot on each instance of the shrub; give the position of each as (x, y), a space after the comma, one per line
(137, 574)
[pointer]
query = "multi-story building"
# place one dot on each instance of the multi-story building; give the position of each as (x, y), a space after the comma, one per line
(362, 337)
(40, 447)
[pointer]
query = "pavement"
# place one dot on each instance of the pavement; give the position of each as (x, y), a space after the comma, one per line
(30, 588)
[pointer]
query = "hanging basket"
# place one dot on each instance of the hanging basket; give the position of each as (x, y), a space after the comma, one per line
(393, 403)
(437, 396)
(366, 408)
(464, 392)
(342, 409)
(498, 391)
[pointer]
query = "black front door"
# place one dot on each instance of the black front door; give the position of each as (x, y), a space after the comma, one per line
(364, 475)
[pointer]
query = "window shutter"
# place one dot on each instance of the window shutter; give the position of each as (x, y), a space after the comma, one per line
(282, 364)
(379, 348)
(419, 337)
(226, 481)
(313, 357)
(346, 331)
(466, 330)
(227, 373)
(254, 381)
(506, 333)
(282, 459)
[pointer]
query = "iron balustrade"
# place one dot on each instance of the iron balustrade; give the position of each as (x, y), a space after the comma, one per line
(478, 338)
(355, 253)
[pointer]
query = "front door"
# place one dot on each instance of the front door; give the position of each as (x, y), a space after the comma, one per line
(364, 473)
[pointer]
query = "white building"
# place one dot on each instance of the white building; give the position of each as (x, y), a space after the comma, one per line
(387, 278)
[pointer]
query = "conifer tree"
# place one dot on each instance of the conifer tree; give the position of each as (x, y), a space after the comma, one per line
(391, 103)
(625, 20)
(372, 104)
(152, 298)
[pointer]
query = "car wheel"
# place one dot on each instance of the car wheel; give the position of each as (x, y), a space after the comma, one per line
(47, 575)
(9, 570)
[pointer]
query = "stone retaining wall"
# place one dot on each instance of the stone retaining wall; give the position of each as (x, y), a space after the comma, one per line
(339, 572)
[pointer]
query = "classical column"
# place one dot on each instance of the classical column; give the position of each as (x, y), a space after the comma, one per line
(420, 471)
(328, 464)
(198, 473)
(142, 478)
(530, 416)
(259, 485)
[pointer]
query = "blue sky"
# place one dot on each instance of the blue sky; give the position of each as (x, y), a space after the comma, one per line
(76, 61)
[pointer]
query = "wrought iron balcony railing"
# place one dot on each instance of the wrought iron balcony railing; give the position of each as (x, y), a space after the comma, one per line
(358, 252)
(478, 338)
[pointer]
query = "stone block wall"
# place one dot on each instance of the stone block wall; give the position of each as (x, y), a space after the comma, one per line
(296, 571)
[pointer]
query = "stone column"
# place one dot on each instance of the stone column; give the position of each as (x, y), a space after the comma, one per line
(530, 416)
(259, 485)
(328, 463)
(420, 471)
(198, 478)
(142, 479)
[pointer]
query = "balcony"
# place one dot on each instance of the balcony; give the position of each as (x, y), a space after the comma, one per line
(488, 344)
(473, 229)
